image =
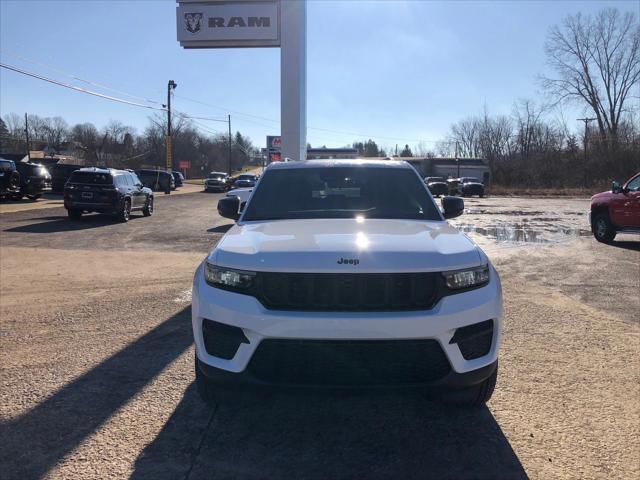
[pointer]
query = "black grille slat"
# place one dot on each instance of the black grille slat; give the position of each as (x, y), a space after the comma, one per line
(349, 362)
(347, 291)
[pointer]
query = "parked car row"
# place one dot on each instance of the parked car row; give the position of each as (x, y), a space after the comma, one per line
(463, 186)
(157, 180)
(222, 182)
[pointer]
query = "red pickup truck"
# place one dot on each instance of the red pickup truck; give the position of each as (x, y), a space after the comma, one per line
(616, 211)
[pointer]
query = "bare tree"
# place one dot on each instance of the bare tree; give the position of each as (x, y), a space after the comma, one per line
(597, 61)
(15, 124)
(55, 131)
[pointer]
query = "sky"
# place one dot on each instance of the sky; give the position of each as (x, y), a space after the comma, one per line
(399, 72)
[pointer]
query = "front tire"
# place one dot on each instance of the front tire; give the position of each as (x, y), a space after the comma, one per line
(471, 397)
(205, 387)
(603, 231)
(147, 211)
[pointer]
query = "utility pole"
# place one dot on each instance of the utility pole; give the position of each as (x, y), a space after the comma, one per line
(170, 86)
(457, 159)
(229, 153)
(26, 134)
(586, 123)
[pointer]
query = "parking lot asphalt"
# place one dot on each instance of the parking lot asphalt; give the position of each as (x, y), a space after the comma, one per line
(97, 376)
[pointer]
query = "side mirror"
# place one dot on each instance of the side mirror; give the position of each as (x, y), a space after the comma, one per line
(452, 207)
(138, 185)
(615, 187)
(229, 207)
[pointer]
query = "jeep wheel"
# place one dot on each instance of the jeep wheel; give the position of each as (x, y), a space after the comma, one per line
(125, 214)
(205, 387)
(167, 191)
(602, 229)
(74, 214)
(148, 208)
(473, 396)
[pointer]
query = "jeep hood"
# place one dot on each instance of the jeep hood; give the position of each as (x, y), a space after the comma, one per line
(319, 245)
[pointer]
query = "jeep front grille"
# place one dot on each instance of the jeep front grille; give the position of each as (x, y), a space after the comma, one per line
(350, 292)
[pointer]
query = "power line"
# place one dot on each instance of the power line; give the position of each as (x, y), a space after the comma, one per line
(75, 77)
(78, 89)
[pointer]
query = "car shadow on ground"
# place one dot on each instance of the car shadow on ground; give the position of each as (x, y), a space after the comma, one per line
(65, 224)
(374, 434)
(220, 228)
(34, 442)
(627, 244)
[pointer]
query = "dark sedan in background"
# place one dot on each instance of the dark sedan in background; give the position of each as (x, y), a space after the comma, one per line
(245, 181)
(178, 178)
(437, 186)
(60, 173)
(157, 180)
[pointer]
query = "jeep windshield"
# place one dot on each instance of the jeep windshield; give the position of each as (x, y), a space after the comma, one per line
(341, 192)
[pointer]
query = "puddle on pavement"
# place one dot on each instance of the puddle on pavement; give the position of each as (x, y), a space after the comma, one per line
(524, 233)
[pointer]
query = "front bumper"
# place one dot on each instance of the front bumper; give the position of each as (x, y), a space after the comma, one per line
(259, 324)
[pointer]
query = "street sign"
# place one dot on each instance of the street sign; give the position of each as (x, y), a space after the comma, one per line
(274, 144)
(274, 141)
(228, 24)
(184, 164)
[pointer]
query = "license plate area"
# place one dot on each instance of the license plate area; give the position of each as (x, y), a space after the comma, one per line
(87, 195)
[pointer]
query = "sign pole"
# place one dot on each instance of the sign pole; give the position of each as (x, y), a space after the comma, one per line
(293, 79)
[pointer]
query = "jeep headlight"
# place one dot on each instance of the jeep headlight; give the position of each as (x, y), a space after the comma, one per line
(468, 278)
(227, 278)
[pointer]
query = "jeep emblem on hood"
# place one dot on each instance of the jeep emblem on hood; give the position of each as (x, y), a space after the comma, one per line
(350, 261)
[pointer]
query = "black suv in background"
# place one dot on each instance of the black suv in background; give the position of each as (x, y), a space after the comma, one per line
(157, 180)
(178, 178)
(9, 178)
(34, 180)
(106, 190)
(60, 173)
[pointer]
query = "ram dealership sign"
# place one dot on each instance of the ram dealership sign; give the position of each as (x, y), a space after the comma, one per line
(249, 23)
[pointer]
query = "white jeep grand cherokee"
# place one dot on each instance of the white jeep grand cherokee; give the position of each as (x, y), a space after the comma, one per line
(345, 273)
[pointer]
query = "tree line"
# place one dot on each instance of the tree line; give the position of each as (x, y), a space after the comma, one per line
(119, 146)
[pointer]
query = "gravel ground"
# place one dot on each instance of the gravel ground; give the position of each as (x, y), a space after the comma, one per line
(96, 361)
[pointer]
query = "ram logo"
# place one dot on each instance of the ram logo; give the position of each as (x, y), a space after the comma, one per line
(193, 22)
(220, 22)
